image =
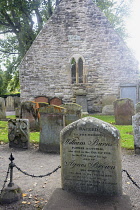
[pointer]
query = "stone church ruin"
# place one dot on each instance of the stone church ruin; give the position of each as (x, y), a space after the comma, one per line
(77, 53)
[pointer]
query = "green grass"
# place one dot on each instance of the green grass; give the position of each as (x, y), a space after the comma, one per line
(126, 131)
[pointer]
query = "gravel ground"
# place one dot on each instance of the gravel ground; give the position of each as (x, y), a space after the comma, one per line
(37, 191)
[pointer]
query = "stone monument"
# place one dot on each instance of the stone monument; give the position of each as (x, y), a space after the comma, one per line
(91, 160)
(124, 110)
(90, 168)
(18, 133)
(73, 112)
(136, 129)
(51, 123)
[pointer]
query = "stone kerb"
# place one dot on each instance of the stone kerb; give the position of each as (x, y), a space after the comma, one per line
(2, 109)
(73, 112)
(136, 129)
(18, 133)
(90, 157)
(51, 123)
(123, 111)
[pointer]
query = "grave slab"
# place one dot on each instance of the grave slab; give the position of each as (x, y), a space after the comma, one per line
(62, 200)
(51, 123)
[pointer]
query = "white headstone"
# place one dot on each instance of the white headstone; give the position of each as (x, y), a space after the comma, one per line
(90, 157)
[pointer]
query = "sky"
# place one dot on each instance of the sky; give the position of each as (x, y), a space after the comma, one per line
(133, 29)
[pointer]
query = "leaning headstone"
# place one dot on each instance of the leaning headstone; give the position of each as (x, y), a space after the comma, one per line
(136, 129)
(90, 158)
(123, 110)
(29, 110)
(18, 133)
(10, 103)
(51, 123)
(2, 109)
(73, 112)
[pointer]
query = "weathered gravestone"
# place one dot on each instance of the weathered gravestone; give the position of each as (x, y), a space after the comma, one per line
(90, 158)
(51, 123)
(10, 103)
(123, 110)
(81, 98)
(18, 133)
(2, 109)
(136, 129)
(73, 112)
(56, 101)
(41, 99)
(29, 110)
(138, 107)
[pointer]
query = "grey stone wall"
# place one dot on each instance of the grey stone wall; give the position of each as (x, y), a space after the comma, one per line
(77, 29)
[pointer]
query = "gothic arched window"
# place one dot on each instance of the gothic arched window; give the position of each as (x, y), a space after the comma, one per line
(80, 70)
(73, 70)
(77, 70)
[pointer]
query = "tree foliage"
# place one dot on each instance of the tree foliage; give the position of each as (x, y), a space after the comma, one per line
(21, 21)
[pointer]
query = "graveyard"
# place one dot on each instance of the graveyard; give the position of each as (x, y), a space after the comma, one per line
(37, 193)
(71, 138)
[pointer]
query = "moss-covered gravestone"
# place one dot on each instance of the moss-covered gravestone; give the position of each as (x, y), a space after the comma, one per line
(124, 110)
(51, 123)
(90, 158)
(73, 112)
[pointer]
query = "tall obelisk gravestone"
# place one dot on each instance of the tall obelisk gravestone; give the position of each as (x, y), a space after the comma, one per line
(90, 158)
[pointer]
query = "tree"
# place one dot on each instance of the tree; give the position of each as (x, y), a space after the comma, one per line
(116, 12)
(21, 21)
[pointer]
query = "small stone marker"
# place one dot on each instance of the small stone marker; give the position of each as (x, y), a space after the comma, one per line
(90, 157)
(136, 129)
(124, 110)
(73, 112)
(18, 133)
(51, 123)
(2, 109)
(10, 103)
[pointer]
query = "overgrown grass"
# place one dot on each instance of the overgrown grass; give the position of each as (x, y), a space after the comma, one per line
(126, 131)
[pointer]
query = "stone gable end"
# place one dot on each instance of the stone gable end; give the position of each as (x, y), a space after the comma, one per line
(79, 34)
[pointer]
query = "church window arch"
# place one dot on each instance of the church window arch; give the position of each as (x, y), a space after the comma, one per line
(73, 71)
(77, 69)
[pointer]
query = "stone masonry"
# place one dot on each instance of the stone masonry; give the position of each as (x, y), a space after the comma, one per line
(79, 30)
